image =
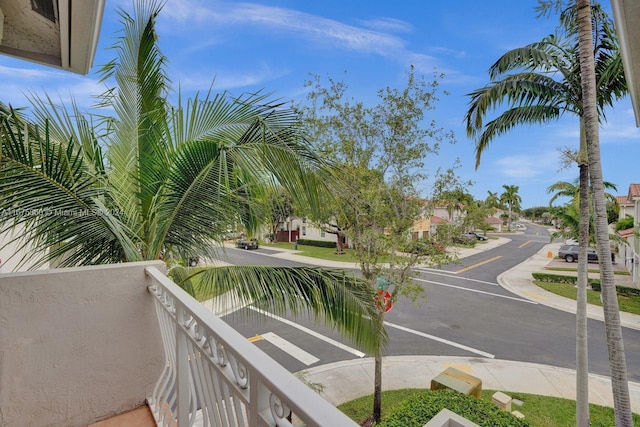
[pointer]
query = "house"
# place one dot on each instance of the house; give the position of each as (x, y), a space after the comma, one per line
(625, 205)
(496, 223)
(62, 34)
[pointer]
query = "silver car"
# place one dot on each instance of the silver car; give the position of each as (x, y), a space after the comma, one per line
(570, 253)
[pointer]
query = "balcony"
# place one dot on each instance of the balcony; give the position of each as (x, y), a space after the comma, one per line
(81, 345)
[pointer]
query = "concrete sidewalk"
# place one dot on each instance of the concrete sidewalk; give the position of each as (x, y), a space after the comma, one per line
(348, 380)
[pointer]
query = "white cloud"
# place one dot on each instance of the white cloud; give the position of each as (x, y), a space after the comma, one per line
(221, 81)
(388, 24)
(276, 18)
(532, 166)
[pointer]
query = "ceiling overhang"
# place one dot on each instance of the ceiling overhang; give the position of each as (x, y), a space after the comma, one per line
(627, 18)
(59, 33)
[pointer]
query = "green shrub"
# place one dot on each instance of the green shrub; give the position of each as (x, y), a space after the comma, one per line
(555, 278)
(417, 410)
(319, 243)
(595, 283)
(620, 290)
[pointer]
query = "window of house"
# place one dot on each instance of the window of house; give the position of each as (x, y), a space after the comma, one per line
(304, 230)
(322, 234)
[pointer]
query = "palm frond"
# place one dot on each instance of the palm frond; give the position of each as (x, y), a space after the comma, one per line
(342, 300)
(510, 119)
(52, 188)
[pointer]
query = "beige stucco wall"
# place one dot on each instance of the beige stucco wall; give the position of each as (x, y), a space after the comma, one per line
(13, 252)
(76, 345)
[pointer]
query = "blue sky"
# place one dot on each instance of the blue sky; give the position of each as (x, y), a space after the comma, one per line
(274, 45)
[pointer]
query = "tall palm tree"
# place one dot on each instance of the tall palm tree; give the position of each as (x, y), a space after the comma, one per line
(511, 199)
(541, 82)
(160, 180)
(591, 91)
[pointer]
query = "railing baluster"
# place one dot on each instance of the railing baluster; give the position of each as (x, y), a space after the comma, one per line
(212, 366)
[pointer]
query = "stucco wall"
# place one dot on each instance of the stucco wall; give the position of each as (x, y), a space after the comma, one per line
(13, 252)
(76, 345)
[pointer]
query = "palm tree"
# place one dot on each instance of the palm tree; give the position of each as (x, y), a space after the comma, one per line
(572, 191)
(591, 89)
(570, 216)
(159, 180)
(511, 199)
(541, 82)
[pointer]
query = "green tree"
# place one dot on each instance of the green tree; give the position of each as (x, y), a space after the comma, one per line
(493, 200)
(625, 223)
(541, 82)
(279, 208)
(512, 200)
(158, 179)
(381, 151)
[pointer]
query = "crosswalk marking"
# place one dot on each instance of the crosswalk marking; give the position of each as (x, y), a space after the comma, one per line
(310, 332)
(290, 348)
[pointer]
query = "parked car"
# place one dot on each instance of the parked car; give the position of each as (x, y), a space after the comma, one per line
(465, 239)
(247, 243)
(570, 253)
(424, 247)
(520, 226)
(478, 236)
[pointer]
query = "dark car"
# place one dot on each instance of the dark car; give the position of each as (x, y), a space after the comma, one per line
(570, 253)
(247, 244)
(478, 236)
(466, 238)
(424, 247)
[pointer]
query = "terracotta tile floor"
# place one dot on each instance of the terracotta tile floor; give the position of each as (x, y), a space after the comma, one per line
(140, 417)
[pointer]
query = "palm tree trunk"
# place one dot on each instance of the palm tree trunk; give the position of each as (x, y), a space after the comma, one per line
(377, 388)
(582, 360)
(615, 346)
(377, 378)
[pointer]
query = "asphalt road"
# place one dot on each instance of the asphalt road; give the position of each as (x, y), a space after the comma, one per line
(465, 314)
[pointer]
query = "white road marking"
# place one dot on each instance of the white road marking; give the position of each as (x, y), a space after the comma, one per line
(442, 340)
(475, 290)
(290, 348)
(310, 332)
(464, 278)
(436, 271)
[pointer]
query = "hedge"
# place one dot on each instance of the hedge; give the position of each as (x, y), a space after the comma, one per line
(319, 243)
(595, 283)
(620, 290)
(560, 278)
(417, 410)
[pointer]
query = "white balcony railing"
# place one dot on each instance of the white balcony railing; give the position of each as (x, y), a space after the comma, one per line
(214, 377)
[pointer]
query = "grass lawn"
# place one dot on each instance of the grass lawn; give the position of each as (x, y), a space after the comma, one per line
(539, 411)
(620, 272)
(630, 304)
(201, 293)
(322, 253)
(316, 252)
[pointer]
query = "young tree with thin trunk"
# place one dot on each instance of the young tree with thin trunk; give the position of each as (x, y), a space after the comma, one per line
(381, 152)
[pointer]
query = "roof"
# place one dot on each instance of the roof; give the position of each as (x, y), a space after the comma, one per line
(623, 200)
(626, 233)
(61, 34)
(627, 16)
(437, 220)
(634, 191)
(493, 220)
